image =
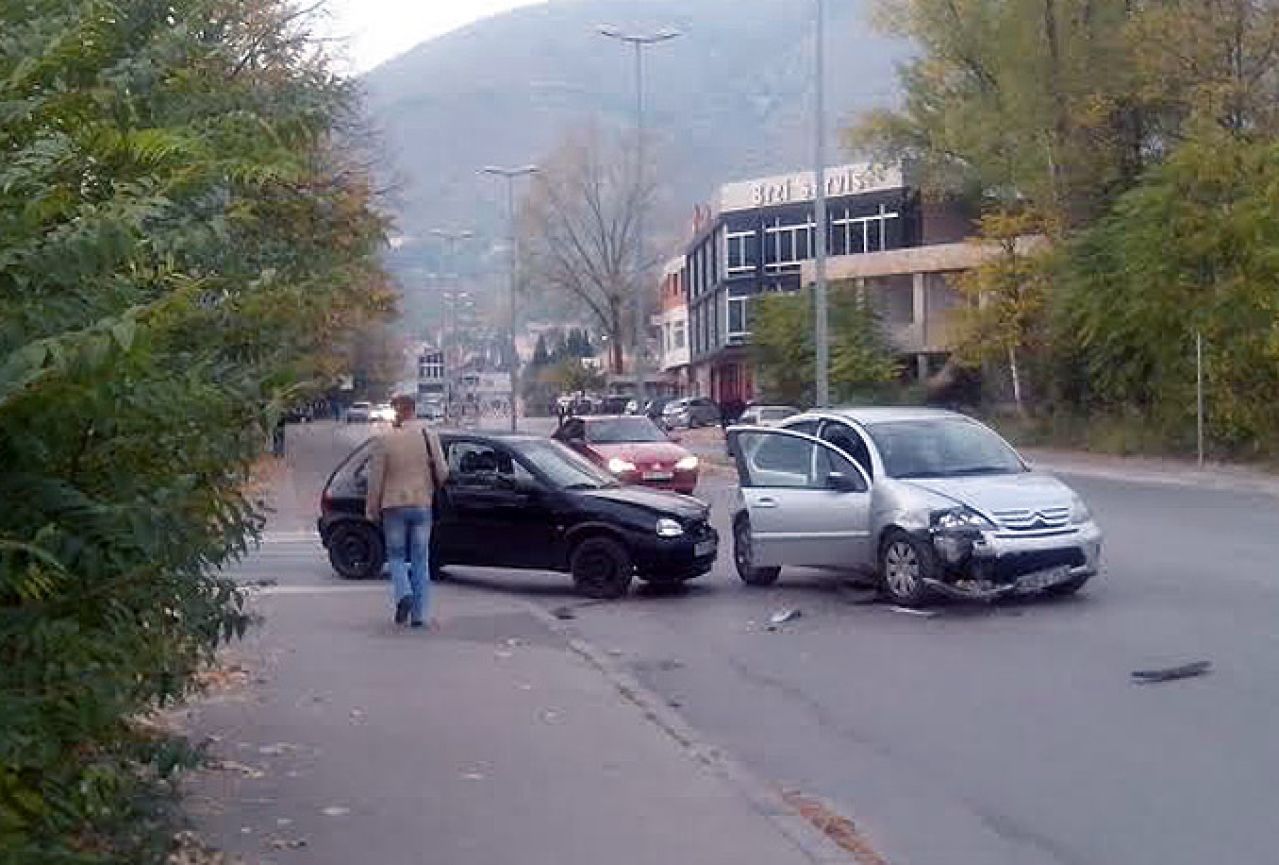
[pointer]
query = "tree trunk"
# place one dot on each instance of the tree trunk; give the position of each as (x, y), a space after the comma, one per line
(615, 359)
(1015, 373)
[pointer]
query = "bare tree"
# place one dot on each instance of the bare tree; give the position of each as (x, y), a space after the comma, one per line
(579, 230)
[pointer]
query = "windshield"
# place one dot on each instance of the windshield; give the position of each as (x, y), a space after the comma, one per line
(775, 414)
(942, 448)
(564, 469)
(623, 429)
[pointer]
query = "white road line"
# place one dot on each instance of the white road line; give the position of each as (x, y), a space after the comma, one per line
(269, 591)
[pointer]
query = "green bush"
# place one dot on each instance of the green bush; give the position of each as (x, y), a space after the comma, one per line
(181, 246)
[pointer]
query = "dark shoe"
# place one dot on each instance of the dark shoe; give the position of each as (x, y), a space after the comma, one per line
(418, 623)
(402, 610)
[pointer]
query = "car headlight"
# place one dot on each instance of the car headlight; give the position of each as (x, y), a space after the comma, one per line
(957, 519)
(619, 466)
(669, 528)
(687, 464)
(1079, 512)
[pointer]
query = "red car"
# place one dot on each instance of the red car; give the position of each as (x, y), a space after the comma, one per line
(633, 449)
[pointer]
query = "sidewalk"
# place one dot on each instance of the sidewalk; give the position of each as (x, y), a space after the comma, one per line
(494, 740)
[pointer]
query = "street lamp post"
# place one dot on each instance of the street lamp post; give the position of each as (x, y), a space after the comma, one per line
(821, 327)
(451, 239)
(511, 175)
(639, 41)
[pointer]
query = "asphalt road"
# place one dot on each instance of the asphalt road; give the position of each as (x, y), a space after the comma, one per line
(1006, 735)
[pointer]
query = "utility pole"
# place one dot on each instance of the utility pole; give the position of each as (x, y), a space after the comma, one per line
(639, 41)
(511, 175)
(821, 324)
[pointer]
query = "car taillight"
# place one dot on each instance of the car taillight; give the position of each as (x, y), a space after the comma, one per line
(326, 502)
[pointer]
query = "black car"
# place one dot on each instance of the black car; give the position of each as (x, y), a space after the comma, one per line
(531, 503)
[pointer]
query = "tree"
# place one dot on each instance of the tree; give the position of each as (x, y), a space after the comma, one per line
(1015, 100)
(572, 376)
(782, 346)
(580, 230)
(541, 355)
(1006, 295)
(184, 246)
(1191, 251)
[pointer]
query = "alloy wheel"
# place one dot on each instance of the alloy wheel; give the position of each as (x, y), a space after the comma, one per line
(901, 568)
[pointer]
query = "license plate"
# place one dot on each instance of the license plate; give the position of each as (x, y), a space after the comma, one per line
(658, 476)
(704, 548)
(1044, 579)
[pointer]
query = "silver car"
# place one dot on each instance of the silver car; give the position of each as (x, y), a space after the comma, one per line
(931, 502)
(690, 412)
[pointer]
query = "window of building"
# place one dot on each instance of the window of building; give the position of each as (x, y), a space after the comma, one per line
(431, 366)
(738, 317)
(677, 336)
(851, 234)
(742, 252)
(788, 243)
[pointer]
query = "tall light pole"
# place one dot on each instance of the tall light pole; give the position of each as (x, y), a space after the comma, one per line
(639, 41)
(511, 175)
(821, 325)
(451, 238)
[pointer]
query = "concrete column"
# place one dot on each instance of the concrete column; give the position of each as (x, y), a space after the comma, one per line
(920, 306)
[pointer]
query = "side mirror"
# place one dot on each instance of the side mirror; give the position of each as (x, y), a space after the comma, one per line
(844, 483)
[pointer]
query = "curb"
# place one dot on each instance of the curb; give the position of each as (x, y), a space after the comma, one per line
(765, 799)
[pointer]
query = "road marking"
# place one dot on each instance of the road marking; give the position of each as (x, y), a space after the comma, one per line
(269, 591)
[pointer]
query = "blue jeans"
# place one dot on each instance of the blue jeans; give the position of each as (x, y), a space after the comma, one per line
(408, 543)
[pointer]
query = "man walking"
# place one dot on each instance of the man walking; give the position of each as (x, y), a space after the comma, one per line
(406, 471)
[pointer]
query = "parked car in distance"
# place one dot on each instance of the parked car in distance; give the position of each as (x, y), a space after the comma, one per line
(613, 405)
(359, 412)
(690, 412)
(531, 503)
(766, 415)
(654, 407)
(933, 502)
(633, 450)
(430, 410)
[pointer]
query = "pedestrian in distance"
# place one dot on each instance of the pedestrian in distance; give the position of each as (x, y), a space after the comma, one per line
(406, 471)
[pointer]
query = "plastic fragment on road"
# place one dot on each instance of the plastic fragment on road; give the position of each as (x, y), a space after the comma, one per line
(1172, 674)
(923, 614)
(335, 811)
(781, 617)
(288, 843)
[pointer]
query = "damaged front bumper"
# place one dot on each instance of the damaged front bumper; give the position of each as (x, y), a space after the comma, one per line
(990, 564)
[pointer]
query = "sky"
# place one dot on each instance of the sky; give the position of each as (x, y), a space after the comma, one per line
(377, 30)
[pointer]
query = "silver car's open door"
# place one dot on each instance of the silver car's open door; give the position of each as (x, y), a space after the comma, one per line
(808, 503)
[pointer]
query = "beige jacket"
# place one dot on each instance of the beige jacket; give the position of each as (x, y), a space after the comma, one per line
(406, 468)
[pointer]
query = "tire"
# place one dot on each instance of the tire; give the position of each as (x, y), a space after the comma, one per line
(357, 551)
(1068, 588)
(744, 559)
(904, 564)
(601, 568)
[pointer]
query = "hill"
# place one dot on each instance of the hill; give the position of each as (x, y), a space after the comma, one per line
(730, 98)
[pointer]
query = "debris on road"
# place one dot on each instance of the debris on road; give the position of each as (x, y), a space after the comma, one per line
(783, 616)
(1172, 674)
(335, 811)
(564, 613)
(288, 843)
(923, 614)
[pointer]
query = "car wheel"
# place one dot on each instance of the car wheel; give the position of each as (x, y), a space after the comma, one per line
(1070, 587)
(356, 551)
(904, 565)
(601, 568)
(744, 557)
